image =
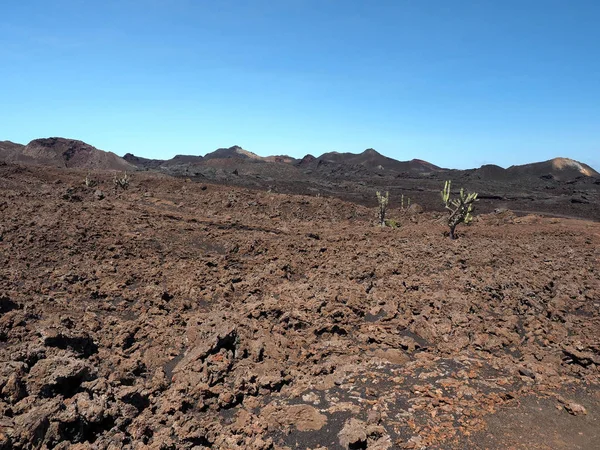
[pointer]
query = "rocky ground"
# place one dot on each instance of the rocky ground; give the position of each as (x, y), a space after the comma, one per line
(186, 315)
(547, 192)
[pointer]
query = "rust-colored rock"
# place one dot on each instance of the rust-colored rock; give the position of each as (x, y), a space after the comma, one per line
(210, 316)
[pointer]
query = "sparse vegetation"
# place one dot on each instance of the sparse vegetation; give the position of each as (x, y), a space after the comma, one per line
(121, 181)
(227, 299)
(404, 206)
(383, 201)
(460, 208)
(89, 181)
(392, 223)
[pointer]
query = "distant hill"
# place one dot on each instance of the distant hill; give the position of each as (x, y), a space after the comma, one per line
(11, 152)
(374, 160)
(61, 152)
(143, 163)
(232, 152)
(308, 160)
(210, 159)
(490, 172)
(281, 159)
(558, 168)
(178, 160)
(222, 157)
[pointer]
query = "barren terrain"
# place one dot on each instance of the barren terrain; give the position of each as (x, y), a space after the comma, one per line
(560, 187)
(179, 315)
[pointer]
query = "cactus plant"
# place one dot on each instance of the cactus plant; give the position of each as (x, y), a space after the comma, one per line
(89, 181)
(383, 201)
(404, 204)
(121, 181)
(460, 208)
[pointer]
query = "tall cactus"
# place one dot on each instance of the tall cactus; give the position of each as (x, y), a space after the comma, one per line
(383, 201)
(460, 208)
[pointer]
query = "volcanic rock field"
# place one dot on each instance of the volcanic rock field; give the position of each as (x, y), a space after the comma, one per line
(184, 314)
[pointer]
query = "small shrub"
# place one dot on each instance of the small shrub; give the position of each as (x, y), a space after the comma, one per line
(121, 181)
(89, 181)
(460, 208)
(392, 223)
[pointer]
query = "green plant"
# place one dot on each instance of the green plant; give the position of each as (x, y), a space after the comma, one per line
(460, 208)
(404, 207)
(392, 223)
(383, 201)
(89, 181)
(121, 181)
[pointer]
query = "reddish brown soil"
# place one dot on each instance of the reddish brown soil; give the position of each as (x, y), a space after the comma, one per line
(181, 315)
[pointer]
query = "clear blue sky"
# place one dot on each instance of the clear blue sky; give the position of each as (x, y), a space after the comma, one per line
(458, 83)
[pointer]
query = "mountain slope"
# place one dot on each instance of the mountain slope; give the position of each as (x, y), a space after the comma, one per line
(232, 152)
(61, 152)
(558, 168)
(143, 163)
(374, 160)
(10, 151)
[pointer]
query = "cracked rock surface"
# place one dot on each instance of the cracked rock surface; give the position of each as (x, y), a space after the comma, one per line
(178, 315)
